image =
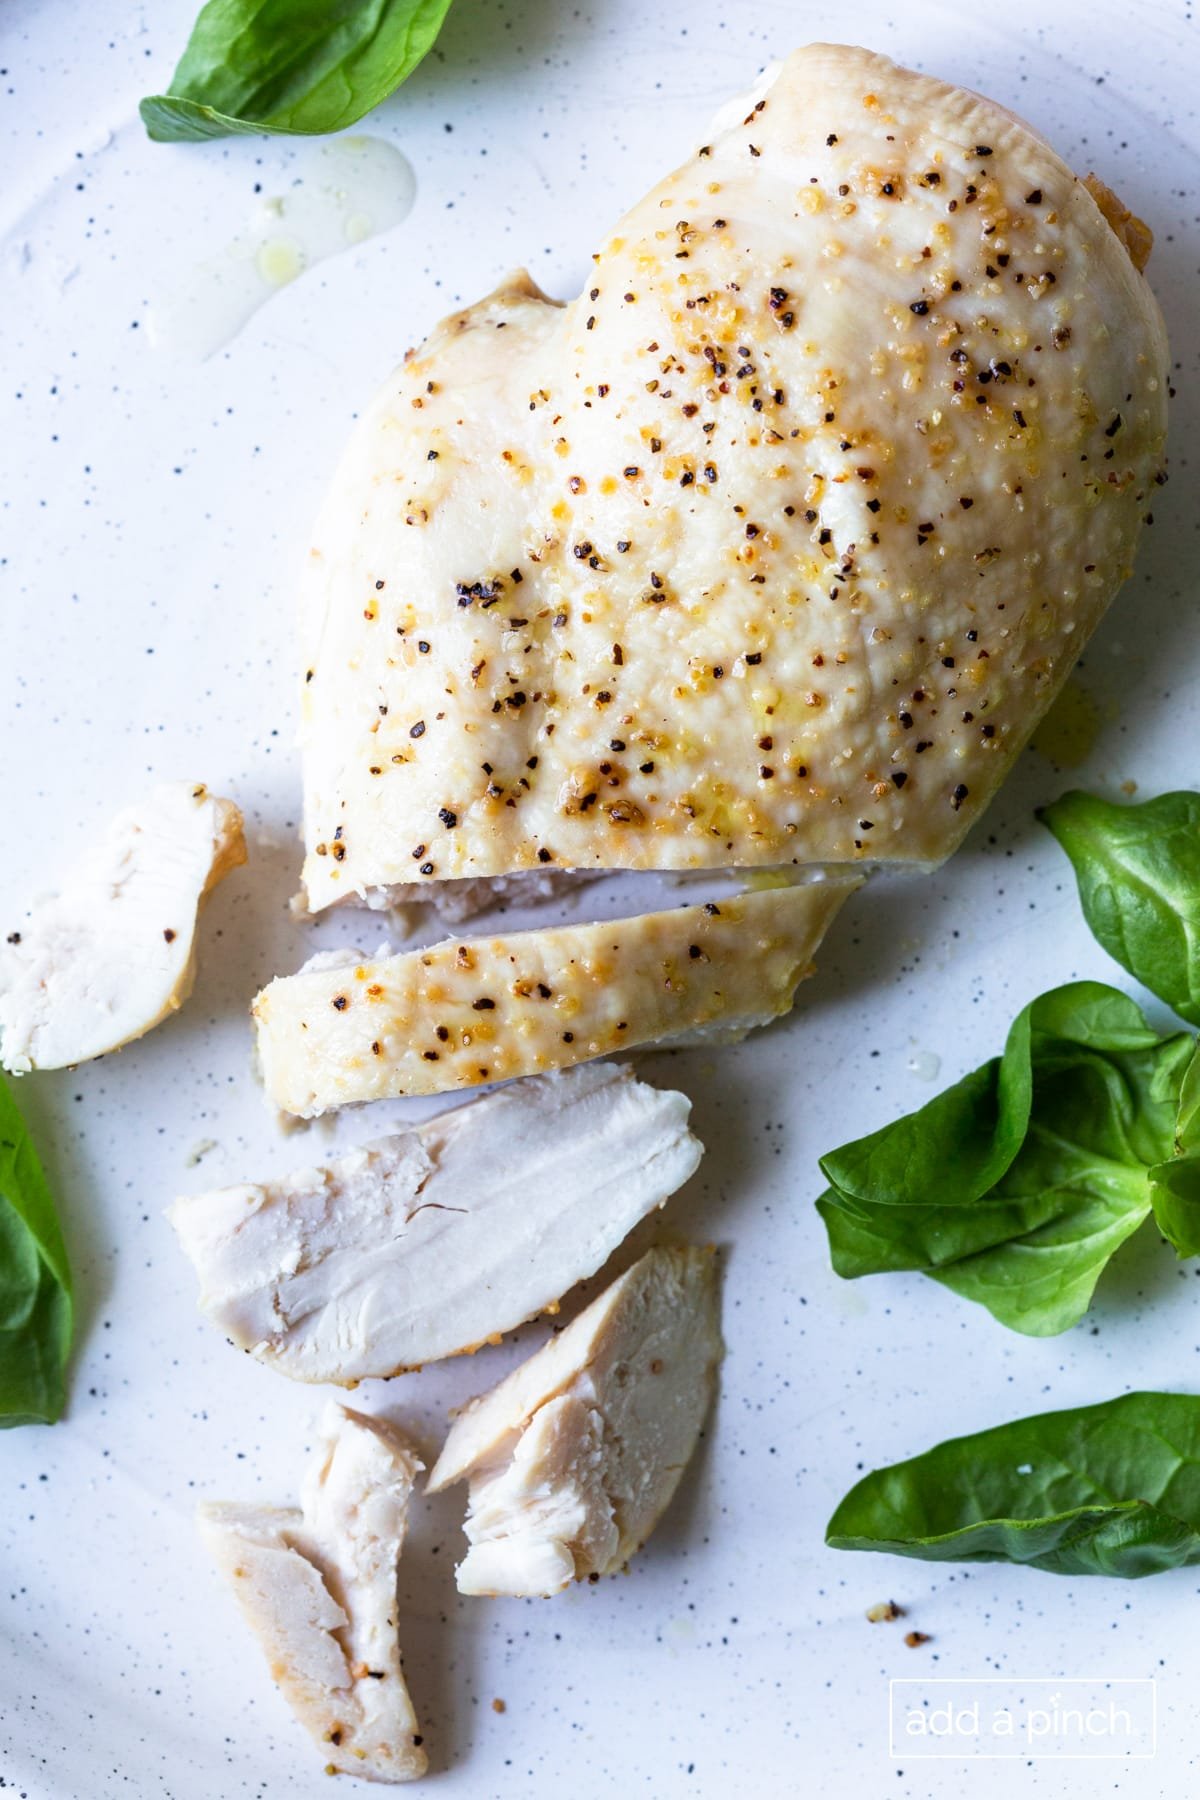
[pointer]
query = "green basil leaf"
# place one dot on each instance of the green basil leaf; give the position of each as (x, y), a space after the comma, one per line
(1138, 869)
(1015, 1187)
(1112, 1489)
(294, 66)
(35, 1282)
(1175, 1184)
(1175, 1198)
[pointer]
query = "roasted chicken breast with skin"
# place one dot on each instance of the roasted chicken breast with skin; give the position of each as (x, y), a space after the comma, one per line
(430, 1242)
(465, 1012)
(114, 954)
(317, 1585)
(775, 544)
(574, 1457)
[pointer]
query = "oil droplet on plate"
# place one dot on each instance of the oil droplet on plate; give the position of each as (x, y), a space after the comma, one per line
(851, 1299)
(926, 1065)
(279, 261)
(1067, 735)
(351, 189)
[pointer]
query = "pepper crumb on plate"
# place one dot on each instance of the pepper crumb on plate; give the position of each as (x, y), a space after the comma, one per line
(884, 1610)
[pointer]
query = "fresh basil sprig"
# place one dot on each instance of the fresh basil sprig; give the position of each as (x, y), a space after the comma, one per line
(35, 1282)
(1015, 1186)
(1138, 869)
(1112, 1489)
(296, 66)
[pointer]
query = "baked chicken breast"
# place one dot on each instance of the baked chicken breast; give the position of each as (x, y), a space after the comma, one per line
(775, 544)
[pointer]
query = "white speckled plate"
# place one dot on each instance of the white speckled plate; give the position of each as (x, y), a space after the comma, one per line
(152, 517)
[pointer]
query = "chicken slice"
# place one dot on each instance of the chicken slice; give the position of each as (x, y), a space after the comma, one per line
(775, 544)
(317, 1585)
(464, 1012)
(114, 954)
(429, 1243)
(574, 1457)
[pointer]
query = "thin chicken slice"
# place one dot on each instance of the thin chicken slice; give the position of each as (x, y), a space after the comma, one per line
(427, 1243)
(465, 1012)
(114, 954)
(317, 1585)
(574, 1457)
(775, 544)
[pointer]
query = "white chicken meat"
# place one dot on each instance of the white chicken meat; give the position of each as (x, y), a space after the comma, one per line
(114, 954)
(436, 1240)
(574, 1457)
(317, 1585)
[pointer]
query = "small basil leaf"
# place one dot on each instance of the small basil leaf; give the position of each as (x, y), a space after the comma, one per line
(1175, 1197)
(35, 1282)
(1016, 1187)
(1112, 1489)
(1089, 1014)
(1175, 1184)
(1138, 869)
(1187, 1116)
(294, 66)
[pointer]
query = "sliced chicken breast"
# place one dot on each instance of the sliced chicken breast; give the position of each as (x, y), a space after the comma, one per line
(485, 1009)
(317, 1585)
(114, 954)
(433, 1241)
(774, 545)
(574, 1457)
